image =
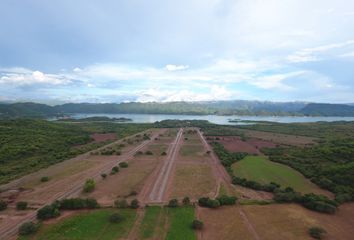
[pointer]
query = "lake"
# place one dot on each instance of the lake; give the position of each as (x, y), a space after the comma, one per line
(150, 118)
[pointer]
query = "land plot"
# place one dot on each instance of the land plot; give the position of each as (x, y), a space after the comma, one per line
(89, 225)
(102, 137)
(193, 180)
(192, 150)
(264, 171)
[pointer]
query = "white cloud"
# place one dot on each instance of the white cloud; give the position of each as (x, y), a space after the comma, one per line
(172, 67)
(275, 81)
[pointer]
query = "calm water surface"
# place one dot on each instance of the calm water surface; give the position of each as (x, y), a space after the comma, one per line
(150, 118)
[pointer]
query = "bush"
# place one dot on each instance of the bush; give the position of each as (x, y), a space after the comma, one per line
(47, 212)
(173, 203)
(27, 228)
(121, 203)
(103, 175)
(89, 185)
(149, 153)
(317, 232)
(197, 224)
(114, 170)
(21, 205)
(163, 154)
(186, 201)
(207, 202)
(134, 204)
(227, 200)
(116, 218)
(123, 164)
(3, 205)
(133, 193)
(78, 203)
(44, 179)
(213, 203)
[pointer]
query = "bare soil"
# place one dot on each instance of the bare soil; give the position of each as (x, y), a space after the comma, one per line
(102, 137)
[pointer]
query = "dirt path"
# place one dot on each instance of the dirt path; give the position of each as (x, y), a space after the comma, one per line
(159, 188)
(134, 232)
(249, 225)
(10, 229)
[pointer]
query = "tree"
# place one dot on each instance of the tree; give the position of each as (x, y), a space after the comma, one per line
(89, 185)
(116, 218)
(173, 203)
(134, 204)
(114, 170)
(21, 205)
(197, 224)
(186, 201)
(121, 203)
(123, 164)
(47, 212)
(3, 205)
(44, 179)
(317, 232)
(227, 200)
(27, 228)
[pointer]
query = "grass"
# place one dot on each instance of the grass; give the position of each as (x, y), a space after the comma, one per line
(262, 170)
(180, 220)
(153, 222)
(192, 150)
(91, 225)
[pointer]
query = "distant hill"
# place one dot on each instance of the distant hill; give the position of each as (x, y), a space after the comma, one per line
(323, 109)
(236, 107)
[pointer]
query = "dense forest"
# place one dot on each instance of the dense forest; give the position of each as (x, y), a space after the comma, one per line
(29, 145)
(237, 107)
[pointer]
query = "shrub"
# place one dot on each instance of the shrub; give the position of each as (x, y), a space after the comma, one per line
(173, 203)
(123, 164)
(27, 228)
(44, 179)
(3, 205)
(197, 224)
(21, 205)
(207, 202)
(317, 232)
(213, 203)
(149, 153)
(133, 193)
(186, 201)
(103, 175)
(116, 218)
(114, 170)
(47, 212)
(121, 203)
(163, 154)
(89, 185)
(134, 204)
(227, 200)
(78, 203)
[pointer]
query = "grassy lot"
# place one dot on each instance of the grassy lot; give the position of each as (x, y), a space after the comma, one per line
(192, 150)
(264, 171)
(153, 223)
(180, 220)
(91, 225)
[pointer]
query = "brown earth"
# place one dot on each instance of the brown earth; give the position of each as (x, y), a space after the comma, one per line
(102, 137)
(274, 222)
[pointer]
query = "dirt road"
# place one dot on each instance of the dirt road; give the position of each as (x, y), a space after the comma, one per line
(9, 229)
(159, 187)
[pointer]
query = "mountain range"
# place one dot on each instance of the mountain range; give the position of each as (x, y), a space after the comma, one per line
(235, 107)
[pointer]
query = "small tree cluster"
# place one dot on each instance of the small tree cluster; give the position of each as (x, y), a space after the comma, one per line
(44, 179)
(317, 232)
(3, 205)
(77, 203)
(207, 202)
(227, 200)
(89, 185)
(149, 153)
(27, 228)
(173, 203)
(123, 164)
(134, 204)
(48, 211)
(21, 205)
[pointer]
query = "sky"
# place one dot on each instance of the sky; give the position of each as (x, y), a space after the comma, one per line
(183, 50)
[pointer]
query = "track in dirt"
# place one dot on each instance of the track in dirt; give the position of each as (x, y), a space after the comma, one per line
(159, 187)
(8, 231)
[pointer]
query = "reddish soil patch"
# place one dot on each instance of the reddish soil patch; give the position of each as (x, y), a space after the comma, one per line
(251, 146)
(102, 137)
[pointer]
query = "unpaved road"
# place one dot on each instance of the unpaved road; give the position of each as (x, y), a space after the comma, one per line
(159, 187)
(10, 229)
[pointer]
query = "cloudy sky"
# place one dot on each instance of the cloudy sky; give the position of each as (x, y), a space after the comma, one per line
(138, 50)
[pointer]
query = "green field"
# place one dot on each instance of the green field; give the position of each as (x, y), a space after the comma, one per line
(180, 220)
(176, 221)
(92, 225)
(262, 170)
